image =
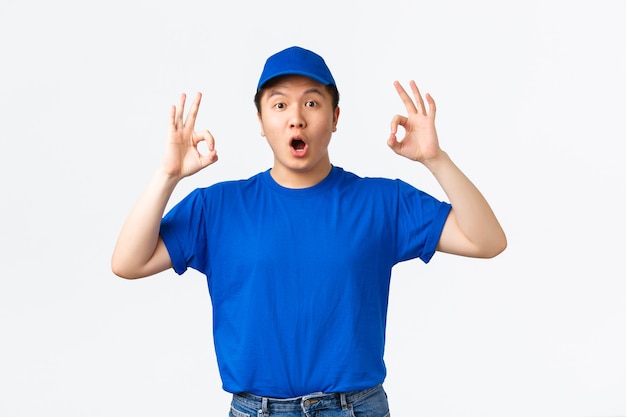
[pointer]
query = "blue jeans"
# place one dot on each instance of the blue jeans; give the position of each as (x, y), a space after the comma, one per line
(366, 403)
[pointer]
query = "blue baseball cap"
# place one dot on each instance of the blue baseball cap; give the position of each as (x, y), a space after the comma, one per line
(296, 61)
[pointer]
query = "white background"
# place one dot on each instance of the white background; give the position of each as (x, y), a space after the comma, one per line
(531, 104)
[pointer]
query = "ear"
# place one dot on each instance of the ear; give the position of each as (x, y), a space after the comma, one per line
(258, 115)
(336, 119)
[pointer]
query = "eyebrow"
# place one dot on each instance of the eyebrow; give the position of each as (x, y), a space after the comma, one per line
(312, 90)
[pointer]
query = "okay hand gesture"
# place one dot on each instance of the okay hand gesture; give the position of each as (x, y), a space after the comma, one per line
(182, 156)
(420, 142)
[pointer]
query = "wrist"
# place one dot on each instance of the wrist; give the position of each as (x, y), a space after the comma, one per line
(441, 159)
(164, 179)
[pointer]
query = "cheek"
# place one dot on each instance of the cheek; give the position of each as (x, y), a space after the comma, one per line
(332, 126)
(268, 130)
(271, 122)
(268, 127)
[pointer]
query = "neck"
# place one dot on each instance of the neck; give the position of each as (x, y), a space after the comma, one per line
(290, 178)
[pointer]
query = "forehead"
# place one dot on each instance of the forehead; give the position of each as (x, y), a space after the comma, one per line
(293, 84)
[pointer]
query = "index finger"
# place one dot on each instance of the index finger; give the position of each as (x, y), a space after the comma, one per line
(190, 121)
(406, 99)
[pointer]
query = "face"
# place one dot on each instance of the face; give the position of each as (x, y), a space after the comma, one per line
(297, 119)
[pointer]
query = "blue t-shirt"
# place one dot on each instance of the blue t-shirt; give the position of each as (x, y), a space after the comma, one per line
(299, 278)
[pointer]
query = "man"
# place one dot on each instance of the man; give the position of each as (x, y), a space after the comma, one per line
(298, 258)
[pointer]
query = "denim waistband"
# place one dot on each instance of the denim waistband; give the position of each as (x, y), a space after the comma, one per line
(309, 401)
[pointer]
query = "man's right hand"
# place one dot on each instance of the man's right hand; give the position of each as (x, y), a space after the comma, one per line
(182, 156)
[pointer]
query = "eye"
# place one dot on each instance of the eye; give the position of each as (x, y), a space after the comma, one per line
(311, 104)
(279, 106)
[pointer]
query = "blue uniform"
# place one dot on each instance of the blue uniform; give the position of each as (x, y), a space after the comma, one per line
(299, 278)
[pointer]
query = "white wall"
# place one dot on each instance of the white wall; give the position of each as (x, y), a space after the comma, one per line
(531, 104)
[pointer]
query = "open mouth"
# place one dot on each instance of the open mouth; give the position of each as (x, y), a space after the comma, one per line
(298, 145)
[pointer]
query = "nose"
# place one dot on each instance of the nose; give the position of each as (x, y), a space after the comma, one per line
(296, 119)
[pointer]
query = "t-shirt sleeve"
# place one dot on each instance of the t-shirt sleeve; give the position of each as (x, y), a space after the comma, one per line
(183, 232)
(421, 218)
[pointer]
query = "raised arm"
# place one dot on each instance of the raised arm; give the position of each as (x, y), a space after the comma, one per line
(139, 251)
(471, 229)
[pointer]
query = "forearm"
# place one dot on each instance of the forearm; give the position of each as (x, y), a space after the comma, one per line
(474, 229)
(135, 252)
